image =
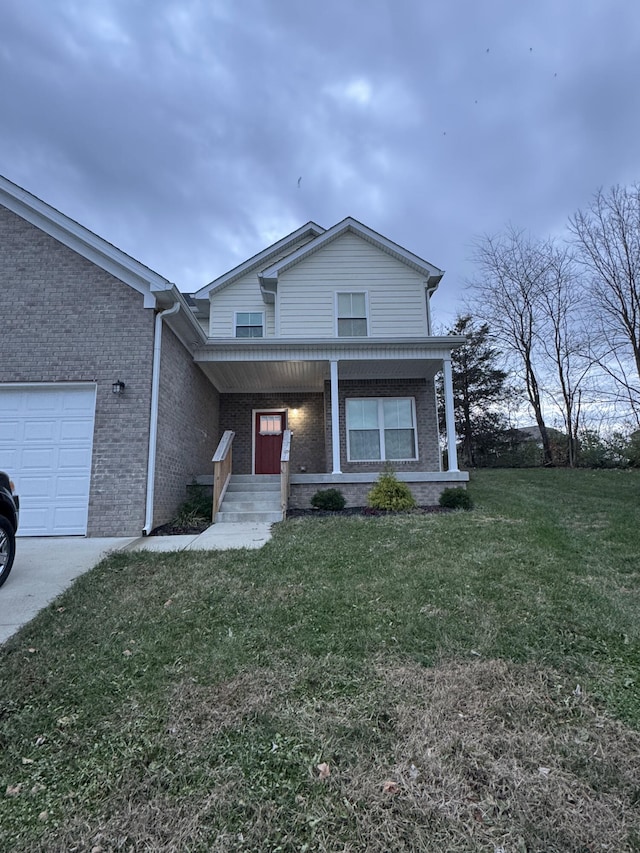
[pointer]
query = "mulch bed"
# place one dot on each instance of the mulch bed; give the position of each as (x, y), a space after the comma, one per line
(173, 529)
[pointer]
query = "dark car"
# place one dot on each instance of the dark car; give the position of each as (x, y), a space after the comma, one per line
(9, 511)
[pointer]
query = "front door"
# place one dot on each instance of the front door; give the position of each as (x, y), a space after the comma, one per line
(269, 427)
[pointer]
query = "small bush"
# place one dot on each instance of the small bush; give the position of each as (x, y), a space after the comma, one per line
(328, 499)
(389, 493)
(456, 499)
(196, 507)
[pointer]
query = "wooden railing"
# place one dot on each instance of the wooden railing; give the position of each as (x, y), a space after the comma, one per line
(222, 464)
(284, 472)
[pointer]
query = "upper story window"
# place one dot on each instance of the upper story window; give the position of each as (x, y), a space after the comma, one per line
(351, 310)
(249, 324)
(380, 428)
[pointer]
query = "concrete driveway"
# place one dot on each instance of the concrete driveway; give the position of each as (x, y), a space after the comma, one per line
(43, 568)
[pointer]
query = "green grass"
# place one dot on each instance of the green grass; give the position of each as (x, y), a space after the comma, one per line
(184, 701)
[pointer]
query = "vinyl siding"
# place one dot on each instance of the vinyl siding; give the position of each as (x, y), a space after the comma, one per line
(244, 294)
(396, 293)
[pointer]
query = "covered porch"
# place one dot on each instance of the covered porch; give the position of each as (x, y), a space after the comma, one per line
(323, 395)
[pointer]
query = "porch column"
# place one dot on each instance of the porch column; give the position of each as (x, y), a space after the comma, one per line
(449, 417)
(335, 419)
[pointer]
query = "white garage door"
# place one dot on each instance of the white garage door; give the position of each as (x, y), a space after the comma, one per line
(46, 439)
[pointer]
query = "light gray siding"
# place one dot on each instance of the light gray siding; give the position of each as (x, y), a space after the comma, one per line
(396, 293)
(242, 295)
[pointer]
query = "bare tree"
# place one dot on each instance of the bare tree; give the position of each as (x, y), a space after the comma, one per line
(527, 292)
(513, 270)
(561, 338)
(607, 240)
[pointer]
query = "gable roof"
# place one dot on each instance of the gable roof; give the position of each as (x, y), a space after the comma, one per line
(310, 231)
(87, 244)
(350, 225)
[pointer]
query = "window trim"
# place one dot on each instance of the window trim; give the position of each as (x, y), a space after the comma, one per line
(337, 293)
(245, 326)
(383, 456)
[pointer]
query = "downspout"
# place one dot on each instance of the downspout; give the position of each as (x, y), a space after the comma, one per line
(430, 291)
(153, 424)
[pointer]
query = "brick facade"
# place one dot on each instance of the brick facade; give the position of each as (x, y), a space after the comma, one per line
(67, 320)
(188, 426)
(421, 390)
(305, 420)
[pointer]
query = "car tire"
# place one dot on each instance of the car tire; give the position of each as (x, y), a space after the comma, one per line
(7, 548)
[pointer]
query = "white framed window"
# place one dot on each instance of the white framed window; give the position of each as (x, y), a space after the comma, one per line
(351, 315)
(249, 324)
(381, 428)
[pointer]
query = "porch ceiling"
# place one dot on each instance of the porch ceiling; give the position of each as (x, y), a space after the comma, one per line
(282, 376)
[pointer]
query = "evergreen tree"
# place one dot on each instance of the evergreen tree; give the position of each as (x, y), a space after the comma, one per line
(479, 387)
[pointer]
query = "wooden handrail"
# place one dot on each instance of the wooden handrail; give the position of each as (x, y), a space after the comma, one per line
(222, 465)
(284, 471)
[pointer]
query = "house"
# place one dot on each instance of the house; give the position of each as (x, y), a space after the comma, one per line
(117, 390)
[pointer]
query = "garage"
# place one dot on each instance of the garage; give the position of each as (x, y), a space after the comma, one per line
(46, 442)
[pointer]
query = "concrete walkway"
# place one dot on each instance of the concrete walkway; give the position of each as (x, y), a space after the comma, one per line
(45, 566)
(220, 536)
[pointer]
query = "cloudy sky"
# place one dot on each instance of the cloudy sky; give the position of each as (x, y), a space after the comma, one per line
(193, 133)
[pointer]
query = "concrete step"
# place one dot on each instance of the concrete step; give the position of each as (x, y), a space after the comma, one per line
(263, 497)
(259, 480)
(267, 498)
(255, 478)
(250, 498)
(249, 505)
(234, 517)
(253, 487)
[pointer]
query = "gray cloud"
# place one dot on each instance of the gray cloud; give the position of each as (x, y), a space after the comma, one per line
(178, 130)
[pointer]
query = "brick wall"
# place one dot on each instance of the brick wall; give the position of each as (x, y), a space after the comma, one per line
(426, 494)
(307, 425)
(64, 319)
(188, 426)
(424, 393)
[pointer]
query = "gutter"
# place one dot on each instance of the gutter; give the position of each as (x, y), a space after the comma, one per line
(153, 423)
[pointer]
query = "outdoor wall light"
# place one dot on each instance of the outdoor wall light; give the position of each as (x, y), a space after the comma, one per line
(117, 387)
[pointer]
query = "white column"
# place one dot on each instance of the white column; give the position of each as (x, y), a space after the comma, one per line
(335, 419)
(449, 417)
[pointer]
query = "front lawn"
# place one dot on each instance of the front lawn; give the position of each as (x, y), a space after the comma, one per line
(461, 682)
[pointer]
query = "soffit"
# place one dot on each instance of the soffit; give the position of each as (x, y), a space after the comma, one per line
(282, 376)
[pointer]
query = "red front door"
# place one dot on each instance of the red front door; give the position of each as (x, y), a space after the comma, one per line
(269, 427)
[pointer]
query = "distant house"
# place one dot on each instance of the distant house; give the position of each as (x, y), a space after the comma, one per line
(116, 389)
(530, 436)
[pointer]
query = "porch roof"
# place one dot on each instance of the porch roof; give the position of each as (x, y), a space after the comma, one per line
(295, 365)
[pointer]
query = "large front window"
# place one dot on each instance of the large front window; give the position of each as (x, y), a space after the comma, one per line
(352, 315)
(249, 324)
(381, 428)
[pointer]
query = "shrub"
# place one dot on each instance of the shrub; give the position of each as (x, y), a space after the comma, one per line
(197, 506)
(456, 499)
(390, 494)
(329, 499)
(603, 451)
